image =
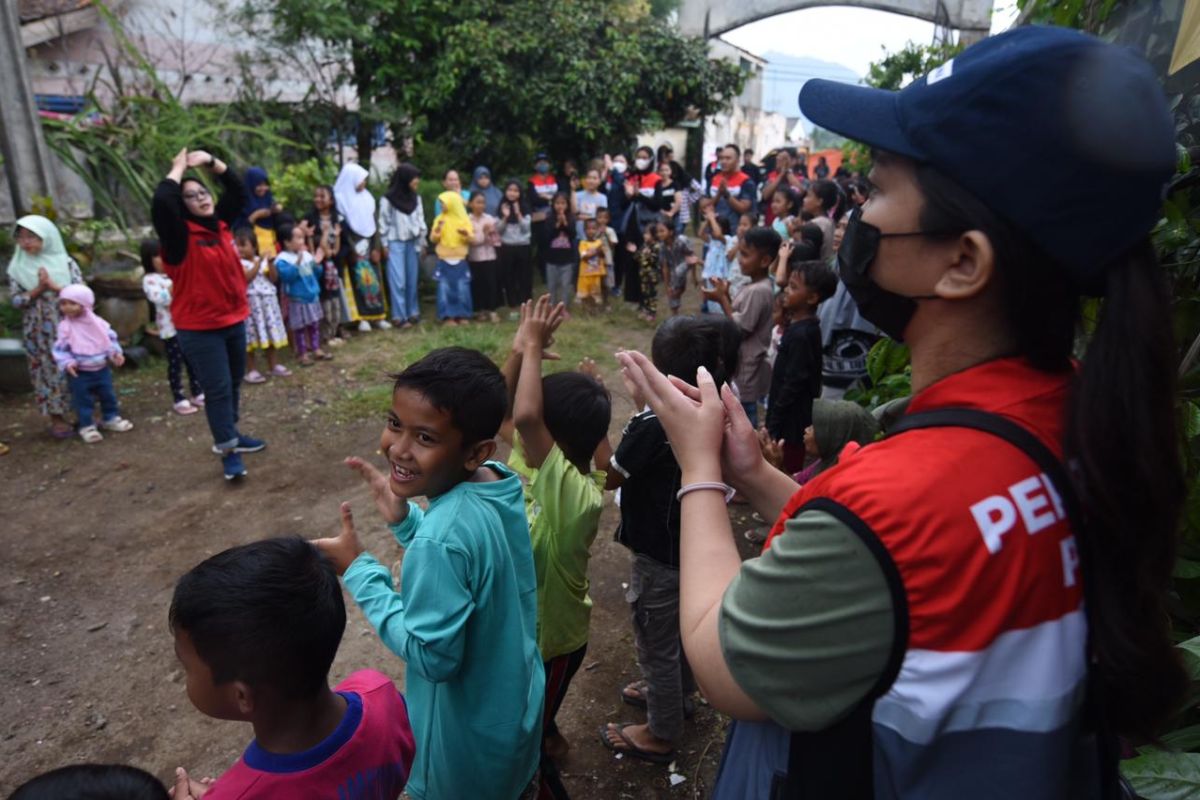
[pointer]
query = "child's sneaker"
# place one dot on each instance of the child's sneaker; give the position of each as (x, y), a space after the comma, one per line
(118, 424)
(90, 435)
(364, 326)
(184, 407)
(254, 376)
(383, 325)
(232, 464)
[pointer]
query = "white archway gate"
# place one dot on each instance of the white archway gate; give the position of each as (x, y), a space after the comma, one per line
(715, 17)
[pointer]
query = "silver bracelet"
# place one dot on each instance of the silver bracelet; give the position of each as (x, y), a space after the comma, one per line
(695, 487)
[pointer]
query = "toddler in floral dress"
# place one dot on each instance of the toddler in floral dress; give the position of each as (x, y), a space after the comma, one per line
(264, 327)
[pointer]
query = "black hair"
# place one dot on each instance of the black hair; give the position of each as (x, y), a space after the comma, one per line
(747, 152)
(476, 193)
(92, 782)
(819, 277)
(803, 251)
(645, 149)
(149, 250)
(244, 234)
(830, 196)
(792, 197)
(1121, 437)
(736, 149)
(812, 233)
(463, 382)
(682, 345)
(764, 240)
(591, 220)
(577, 409)
(267, 613)
(603, 210)
(520, 196)
(284, 232)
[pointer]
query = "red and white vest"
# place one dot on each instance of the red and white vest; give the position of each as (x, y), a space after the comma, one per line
(209, 289)
(990, 666)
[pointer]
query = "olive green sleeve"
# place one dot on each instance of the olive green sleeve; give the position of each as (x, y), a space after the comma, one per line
(807, 627)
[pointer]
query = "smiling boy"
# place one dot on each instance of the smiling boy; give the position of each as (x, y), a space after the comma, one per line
(465, 618)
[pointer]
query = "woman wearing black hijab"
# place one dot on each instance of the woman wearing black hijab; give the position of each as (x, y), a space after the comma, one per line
(402, 229)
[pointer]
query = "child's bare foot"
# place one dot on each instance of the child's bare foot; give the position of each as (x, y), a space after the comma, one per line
(321, 354)
(450, 323)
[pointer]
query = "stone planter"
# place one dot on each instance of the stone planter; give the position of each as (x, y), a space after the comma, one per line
(120, 300)
(14, 367)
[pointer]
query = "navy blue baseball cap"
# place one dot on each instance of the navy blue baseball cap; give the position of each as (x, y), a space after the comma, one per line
(1068, 138)
(541, 157)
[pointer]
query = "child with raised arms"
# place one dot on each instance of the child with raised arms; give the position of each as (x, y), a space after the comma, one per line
(465, 618)
(559, 429)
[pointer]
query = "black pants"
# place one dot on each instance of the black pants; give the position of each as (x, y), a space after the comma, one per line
(176, 363)
(559, 672)
(516, 273)
(541, 240)
(485, 285)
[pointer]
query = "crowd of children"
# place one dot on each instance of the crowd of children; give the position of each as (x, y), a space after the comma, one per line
(497, 562)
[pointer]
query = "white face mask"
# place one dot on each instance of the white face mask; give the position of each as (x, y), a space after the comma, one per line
(618, 166)
(642, 163)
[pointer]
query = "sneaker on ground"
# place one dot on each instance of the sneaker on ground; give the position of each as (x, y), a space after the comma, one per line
(246, 444)
(118, 424)
(90, 434)
(185, 407)
(364, 327)
(232, 464)
(383, 325)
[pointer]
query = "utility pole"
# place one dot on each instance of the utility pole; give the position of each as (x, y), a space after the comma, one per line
(26, 157)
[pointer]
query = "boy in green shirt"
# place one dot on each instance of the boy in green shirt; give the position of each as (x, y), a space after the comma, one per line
(465, 618)
(561, 427)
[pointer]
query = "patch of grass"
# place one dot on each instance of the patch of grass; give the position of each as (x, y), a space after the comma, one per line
(369, 359)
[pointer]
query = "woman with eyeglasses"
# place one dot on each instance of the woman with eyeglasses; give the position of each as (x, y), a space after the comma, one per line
(209, 306)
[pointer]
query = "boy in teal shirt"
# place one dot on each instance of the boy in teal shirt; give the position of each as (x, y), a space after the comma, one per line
(467, 588)
(561, 424)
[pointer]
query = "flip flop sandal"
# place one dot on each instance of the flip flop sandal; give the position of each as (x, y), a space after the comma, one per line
(632, 749)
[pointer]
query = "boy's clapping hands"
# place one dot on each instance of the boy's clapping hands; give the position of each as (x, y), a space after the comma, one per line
(539, 321)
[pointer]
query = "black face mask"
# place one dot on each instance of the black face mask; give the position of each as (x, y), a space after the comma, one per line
(888, 311)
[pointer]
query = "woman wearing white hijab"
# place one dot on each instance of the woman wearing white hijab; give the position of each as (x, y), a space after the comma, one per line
(354, 201)
(357, 205)
(39, 269)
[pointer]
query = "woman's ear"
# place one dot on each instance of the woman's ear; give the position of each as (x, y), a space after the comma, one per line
(971, 269)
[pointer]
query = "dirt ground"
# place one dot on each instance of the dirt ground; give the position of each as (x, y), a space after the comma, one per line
(94, 538)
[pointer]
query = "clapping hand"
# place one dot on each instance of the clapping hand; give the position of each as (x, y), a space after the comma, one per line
(539, 321)
(719, 289)
(187, 789)
(341, 550)
(199, 158)
(772, 449)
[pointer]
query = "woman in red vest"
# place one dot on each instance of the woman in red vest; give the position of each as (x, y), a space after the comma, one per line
(209, 304)
(916, 626)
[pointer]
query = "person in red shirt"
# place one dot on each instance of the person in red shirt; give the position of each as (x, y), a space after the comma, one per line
(209, 306)
(732, 190)
(944, 608)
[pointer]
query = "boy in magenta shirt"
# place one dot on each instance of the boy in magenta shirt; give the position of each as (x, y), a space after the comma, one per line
(256, 629)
